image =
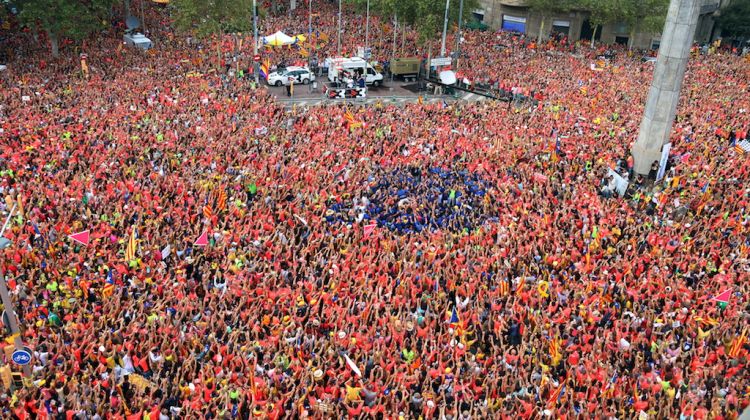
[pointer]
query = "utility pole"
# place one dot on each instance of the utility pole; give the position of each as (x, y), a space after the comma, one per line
(256, 65)
(393, 50)
(445, 27)
(338, 38)
(458, 35)
(143, 18)
(10, 309)
(367, 27)
(309, 32)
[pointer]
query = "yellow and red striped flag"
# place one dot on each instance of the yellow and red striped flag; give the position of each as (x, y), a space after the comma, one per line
(108, 290)
(221, 199)
(519, 288)
(555, 396)
(207, 212)
(504, 288)
(555, 351)
(131, 248)
(349, 117)
(736, 347)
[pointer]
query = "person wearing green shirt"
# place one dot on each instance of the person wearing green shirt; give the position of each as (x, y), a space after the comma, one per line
(252, 190)
(52, 286)
(54, 320)
(408, 355)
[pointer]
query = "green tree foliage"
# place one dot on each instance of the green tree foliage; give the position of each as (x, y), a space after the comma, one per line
(426, 16)
(734, 21)
(204, 18)
(643, 16)
(207, 18)
(601, 12)
(75, 19)
(548, 8)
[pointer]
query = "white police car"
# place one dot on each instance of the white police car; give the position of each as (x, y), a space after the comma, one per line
(285, 76)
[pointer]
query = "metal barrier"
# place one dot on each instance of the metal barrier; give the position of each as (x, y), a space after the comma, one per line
(475, 91)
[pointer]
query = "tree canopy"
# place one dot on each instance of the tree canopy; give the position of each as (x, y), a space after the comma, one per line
(734, 21)
(73, 19)
(425, 16)
(546, 8)
(204, 18)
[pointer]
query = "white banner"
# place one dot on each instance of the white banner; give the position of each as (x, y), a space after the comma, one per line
(663, 162)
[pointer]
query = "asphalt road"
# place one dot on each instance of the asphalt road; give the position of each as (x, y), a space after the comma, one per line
(305, 93)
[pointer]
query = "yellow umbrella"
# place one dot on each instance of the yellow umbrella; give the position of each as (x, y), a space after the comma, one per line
(161, 1)
(300, 38)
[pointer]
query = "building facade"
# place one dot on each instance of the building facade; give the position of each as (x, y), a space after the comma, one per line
(515, 15)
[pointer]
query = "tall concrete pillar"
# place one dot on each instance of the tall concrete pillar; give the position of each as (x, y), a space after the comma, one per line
(661, 106)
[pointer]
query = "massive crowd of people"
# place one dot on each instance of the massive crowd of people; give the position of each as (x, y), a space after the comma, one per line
(433, 261)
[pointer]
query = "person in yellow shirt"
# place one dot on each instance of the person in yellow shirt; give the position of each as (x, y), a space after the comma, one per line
(352, 392)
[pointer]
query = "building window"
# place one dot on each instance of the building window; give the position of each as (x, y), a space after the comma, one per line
(621, 40)
(620, 28)
(514, 24)
(478, 15)
(561, 27)
(655, 43)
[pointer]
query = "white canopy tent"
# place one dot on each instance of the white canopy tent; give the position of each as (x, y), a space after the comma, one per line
(278, 39)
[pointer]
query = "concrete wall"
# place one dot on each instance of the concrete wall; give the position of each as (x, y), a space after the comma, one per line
(495, 9)
(643, 40)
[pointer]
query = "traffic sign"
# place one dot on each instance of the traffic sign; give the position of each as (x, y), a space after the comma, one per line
(440, 61)
(21, 357)
(256, 58)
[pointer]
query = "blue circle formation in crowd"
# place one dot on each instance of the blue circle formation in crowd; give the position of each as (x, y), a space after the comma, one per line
(411, 200)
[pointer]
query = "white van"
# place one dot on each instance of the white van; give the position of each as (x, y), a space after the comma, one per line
(138, 40)
(341, 68)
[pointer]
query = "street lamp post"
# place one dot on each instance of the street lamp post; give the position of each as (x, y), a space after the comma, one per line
(256, 65)
(10, 309)
(445, 27)
(458, 35)
(338, 35)
(309, 35)
(367, 27)
(393, 49)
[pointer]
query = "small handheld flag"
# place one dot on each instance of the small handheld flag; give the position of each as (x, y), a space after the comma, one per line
(736, 347)
(202, 240)
(80, 237)
(369, 229)
(454, 316)
(723, 298)
(264, 69)
(131, 248)
(353, 366)
(555, 396)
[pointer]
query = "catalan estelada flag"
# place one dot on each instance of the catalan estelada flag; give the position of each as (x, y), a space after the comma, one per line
(555, 395)
(454, 317)
(504, 288)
